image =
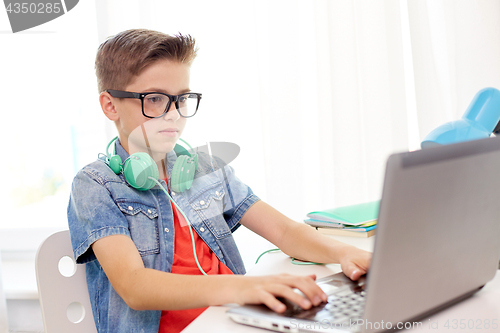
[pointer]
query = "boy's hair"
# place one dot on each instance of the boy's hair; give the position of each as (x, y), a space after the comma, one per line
(125, 55)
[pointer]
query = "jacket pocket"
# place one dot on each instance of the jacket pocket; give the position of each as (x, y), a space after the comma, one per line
(143, 225)
(209, 205)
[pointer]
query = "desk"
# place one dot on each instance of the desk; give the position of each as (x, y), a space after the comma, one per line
(484, 305)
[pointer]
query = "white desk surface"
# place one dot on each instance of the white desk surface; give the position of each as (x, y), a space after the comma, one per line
(476, 311)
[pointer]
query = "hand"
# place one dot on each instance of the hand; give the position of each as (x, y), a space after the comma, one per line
(265, 290)
(355, 262)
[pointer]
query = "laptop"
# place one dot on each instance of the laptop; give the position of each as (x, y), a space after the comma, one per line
(438, 242)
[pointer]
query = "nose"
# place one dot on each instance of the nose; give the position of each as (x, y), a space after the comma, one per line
(172, 113)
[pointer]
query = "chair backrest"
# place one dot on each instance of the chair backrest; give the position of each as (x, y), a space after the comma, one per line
(62, 287)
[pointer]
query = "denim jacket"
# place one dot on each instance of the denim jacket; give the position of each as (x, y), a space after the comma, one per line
(103, 204)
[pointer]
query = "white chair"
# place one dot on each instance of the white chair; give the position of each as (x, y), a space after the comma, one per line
(62, 287)
(4, 323)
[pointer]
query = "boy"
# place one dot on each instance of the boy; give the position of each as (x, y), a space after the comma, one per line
(142, 272)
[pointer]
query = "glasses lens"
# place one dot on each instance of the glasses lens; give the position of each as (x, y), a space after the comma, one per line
(155, 104)
(188, 104)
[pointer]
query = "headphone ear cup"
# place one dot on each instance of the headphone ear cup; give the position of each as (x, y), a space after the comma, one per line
(115, 163)
(138, 168)
(195, 159)
(182, 174)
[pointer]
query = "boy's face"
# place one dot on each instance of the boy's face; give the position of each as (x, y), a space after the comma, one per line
(155, 136)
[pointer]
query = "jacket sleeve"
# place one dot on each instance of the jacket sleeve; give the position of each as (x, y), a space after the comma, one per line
(239, 198)
(92, 214)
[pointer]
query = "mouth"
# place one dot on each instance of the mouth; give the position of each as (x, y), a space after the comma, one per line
(169, 132)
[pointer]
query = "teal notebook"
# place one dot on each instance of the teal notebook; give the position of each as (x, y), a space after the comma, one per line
(353, 215)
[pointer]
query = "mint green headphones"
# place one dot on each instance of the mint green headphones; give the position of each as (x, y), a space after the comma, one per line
(141, 172)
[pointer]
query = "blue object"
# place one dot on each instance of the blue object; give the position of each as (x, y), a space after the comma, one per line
(479, 121)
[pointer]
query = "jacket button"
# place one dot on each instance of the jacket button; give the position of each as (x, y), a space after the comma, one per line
(130, 208)
(202, 229)
(202, 202)
(166, 230)
(217, 193)
(149, 211)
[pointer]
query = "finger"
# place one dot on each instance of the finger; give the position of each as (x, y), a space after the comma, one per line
(291, 295)
(271, 302)
(306, 286)
(287, 292)
(354, 272)
(323, 295)
(310, 289)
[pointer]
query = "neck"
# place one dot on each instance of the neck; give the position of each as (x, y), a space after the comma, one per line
(159, 157)
(162, 168)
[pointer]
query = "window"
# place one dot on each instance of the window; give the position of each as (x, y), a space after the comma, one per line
(52, 122)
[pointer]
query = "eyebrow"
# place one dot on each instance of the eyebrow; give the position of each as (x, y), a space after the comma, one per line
(165, 92)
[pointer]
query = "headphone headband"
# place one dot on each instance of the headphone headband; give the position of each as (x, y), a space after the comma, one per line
(109, 144)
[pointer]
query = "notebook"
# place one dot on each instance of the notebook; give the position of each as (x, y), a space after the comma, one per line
(438, 242)
(352, 215)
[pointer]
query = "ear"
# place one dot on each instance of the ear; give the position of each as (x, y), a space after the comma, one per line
(108, 106)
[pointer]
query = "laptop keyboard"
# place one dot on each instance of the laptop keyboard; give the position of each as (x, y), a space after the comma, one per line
(342, 310)
(347, 307)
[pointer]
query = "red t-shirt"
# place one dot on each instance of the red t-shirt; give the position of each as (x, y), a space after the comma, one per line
(184, 263)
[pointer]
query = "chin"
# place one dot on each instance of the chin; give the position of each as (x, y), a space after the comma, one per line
(163, 147)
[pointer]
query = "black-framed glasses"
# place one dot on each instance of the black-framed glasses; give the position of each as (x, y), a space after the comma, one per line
(155, 104)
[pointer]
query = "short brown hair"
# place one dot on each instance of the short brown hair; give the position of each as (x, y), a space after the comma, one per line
(125, 55)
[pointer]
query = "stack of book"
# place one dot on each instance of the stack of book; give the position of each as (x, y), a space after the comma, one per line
(355, 220)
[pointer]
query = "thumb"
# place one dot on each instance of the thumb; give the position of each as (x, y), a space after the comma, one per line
(356, 274)
(353, 272)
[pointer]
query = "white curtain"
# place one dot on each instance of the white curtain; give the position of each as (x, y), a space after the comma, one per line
(318, 93)
(456, 52)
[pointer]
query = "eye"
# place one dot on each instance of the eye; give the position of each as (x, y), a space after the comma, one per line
(182, 99)
(155, 99)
